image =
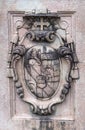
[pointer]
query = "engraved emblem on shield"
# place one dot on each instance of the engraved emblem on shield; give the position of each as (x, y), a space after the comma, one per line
(42, 71)
(42, 61)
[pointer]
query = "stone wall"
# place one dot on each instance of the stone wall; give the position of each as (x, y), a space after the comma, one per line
(7, 121)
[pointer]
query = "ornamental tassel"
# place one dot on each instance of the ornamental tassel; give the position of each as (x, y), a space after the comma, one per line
(13, 42)
(10, 73)
(75, 72)
(75, 69)
(15, 38)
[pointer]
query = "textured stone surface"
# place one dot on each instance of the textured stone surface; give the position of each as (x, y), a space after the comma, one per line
(18, 123)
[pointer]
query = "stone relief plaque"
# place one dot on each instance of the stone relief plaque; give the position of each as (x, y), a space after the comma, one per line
(42, 60)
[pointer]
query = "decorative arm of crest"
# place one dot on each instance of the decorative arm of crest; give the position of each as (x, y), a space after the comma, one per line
(17, 53)
(43, 60)
(66, 53)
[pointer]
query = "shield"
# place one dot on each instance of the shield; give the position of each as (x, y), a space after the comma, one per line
(42, 61)
(42, 71)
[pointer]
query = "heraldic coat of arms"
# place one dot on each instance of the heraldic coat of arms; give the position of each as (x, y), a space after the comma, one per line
(43, 61)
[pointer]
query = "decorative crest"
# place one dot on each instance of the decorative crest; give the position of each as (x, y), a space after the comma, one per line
(40, 50)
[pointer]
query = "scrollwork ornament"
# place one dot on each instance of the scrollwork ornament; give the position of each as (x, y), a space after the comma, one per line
(37, 65)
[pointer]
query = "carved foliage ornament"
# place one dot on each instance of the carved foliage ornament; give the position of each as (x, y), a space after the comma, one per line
(43, 61)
